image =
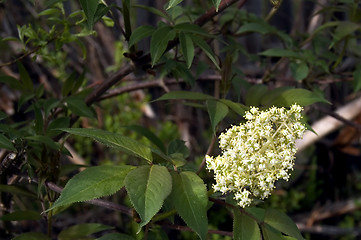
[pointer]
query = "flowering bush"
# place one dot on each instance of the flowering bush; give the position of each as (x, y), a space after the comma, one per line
(257, 153)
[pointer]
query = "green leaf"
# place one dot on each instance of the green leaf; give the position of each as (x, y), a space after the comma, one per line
(90, 7)
(147, 187)
(50, 11)
(11, 82)
(17, 190)
(140, 33)
(270, 233)
(116, 236)
(299, 71)
(117, 141)
(3, 115)
(217, 111)
(216, 4)
(154, 11)
(188, 28)
(356, 80)
(269, 98)
(178, 146)
(187, 95)
(262, 28)
(92, 183)
(256, 212)
(68, 84)
(61, 122)
(190, 199)
(47, 141)
(234, 106)
(159, 42)
(173, 3)
(278, 52)
(6, 143)
(187, 48)
(78, 106)
(31, 236)
(102, 9)
(244, 227)
(148, 134)
(300, 96)
(21, 215)
(254, 95)
(25, 79)
(80, 231)
(343, 30)
(206, 49)
(282, 223)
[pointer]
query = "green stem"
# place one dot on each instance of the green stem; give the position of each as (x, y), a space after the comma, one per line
(164, 215)
(276, 5)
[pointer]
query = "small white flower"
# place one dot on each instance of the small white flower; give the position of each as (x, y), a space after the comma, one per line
(257, 153)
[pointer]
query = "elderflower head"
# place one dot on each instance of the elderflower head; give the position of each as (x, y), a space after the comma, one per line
(257, 153)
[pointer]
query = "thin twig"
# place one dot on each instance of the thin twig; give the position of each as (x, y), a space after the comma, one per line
(209, 151)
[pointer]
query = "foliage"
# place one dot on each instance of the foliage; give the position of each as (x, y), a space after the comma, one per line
(158, 186)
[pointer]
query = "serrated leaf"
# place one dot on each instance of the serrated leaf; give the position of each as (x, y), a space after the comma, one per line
(173, 3)
(234, 106)
(206, 49)
(81, 231)
(217, 111)
(279, 52)
(282, 223)
(300, 96)
(117, 141)
(190, 199)
(159, 42)
(147, 187)
(92, 183)
(78, 106)
(244, 227)
(140, 33)
(5, 143)
(187, 95)
(187, 48)
(255, 94)
(148, 134)
(21, 215)
(116, 236)
(31, 236)
(25, 79)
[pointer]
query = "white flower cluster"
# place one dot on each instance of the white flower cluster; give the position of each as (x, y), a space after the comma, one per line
(257, 153)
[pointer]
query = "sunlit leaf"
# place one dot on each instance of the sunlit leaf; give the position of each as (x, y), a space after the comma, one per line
(117, 141)
(147, 187)
(244, 227)
(190, 199)
(92, 183)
